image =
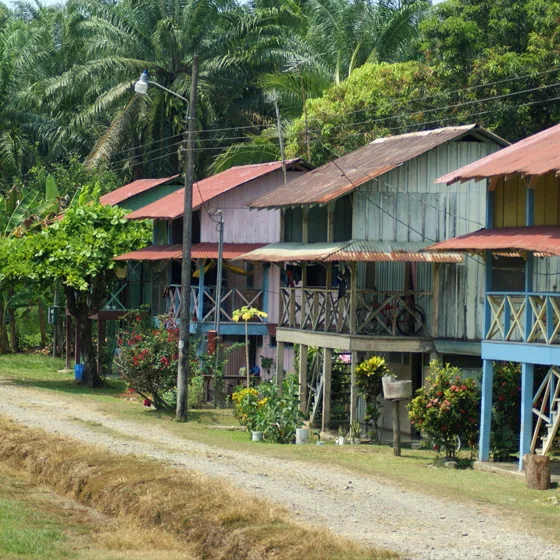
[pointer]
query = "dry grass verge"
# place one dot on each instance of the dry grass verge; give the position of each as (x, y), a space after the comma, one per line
(215, 519)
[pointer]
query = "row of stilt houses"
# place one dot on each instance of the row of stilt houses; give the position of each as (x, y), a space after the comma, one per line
(438, 244)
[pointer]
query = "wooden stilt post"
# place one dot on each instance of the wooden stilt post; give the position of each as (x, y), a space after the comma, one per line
(327, 381)
(486, 410)
(396, 429)
(100, 346)
(303, 352)
(353, 389)
(279, 365)
(526, 432)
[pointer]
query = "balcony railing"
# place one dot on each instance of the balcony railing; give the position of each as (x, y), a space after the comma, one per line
(205, 310)
(524, 317)
(382, 313)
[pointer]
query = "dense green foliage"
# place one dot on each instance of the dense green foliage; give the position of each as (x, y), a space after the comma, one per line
(76, 254)
(265, 410)
(447, 409)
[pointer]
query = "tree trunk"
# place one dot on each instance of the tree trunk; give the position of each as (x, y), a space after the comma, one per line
(81, 308)
(42, 327)
(90, 377)
(537, 471)
(13, 329)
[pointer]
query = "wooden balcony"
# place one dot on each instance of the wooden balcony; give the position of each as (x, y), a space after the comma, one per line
(204, 308)
(368, 312)
(532, 317)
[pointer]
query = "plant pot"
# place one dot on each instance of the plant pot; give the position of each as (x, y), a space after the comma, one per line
(302, 436)
(256, 436)
(341, 440)
(396, 390)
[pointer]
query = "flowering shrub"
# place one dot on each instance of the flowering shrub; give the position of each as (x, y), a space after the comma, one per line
(368, 380)
(447, 408)
(265, 410)
(246, 403)
(148, 355)
(506, 396)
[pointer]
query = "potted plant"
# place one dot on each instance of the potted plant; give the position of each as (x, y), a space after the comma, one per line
(341, 440)
(355, 433)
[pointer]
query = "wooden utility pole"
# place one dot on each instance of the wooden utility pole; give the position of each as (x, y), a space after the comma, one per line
(280, 136)
(185, 307)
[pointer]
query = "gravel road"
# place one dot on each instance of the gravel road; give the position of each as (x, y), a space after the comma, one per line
(358, 507)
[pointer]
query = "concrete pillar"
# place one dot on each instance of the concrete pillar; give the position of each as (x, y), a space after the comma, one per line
(303, 352)
(353, 388)
(279, 365)
(327, 381)
(526, 432)
(486, 410)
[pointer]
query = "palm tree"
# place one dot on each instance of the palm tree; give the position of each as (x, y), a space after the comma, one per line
(101, 113)
(325, 41)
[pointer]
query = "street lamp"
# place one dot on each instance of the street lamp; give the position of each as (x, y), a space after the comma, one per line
(141, 87)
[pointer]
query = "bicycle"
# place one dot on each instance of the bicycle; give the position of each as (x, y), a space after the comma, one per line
(376, 318)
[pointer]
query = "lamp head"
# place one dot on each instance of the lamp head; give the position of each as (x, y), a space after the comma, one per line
(141, 86)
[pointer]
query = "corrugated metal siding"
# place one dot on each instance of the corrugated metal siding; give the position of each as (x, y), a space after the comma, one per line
(242, 225)
(426, 211)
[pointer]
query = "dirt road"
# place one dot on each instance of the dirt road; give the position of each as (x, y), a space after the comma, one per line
(359, 507)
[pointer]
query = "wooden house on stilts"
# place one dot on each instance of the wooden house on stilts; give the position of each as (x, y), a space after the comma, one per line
(356, 277)
(520, 246)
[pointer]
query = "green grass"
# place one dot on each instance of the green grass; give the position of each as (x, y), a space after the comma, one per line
(37, 370)
(26, 533)
(36, 524)
(506, 496)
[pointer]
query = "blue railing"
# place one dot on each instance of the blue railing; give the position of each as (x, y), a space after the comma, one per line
(523, 317)
(205, 308)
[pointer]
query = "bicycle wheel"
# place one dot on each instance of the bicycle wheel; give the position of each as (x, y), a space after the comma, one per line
(411, 324)
(370, 326)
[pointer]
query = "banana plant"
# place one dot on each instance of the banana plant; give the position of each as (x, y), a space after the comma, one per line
(20, 212)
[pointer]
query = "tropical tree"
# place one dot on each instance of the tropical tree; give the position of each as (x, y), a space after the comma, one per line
(21, 210)
(77, 253)
(122, 39)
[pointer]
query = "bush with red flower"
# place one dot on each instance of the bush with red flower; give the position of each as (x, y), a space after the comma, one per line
(147, 357)
(447, 408)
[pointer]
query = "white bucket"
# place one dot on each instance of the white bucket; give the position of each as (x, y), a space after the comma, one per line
(302, 436)
(257, 436)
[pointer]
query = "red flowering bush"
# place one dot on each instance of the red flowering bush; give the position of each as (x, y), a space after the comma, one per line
(147, 356)
(447, 408)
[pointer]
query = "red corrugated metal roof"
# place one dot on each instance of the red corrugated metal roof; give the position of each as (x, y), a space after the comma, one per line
(199, 251)
(152, 253)
(539, 239)
(536, 155)
(132, 189)
(171, 206)
(337, 178)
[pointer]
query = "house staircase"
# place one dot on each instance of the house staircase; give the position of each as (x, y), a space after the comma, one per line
(315, 384)
(546, 406)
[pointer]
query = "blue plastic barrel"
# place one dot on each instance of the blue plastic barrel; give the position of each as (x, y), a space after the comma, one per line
(78, 371)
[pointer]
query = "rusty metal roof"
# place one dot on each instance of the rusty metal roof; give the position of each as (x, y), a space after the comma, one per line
(544, 240)
(337, 178)
(350, 251)
(398, 251)
(132, 189)
(199, 251)
(231, 250)
(171, 206)
(152, 253)
(536, 155)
